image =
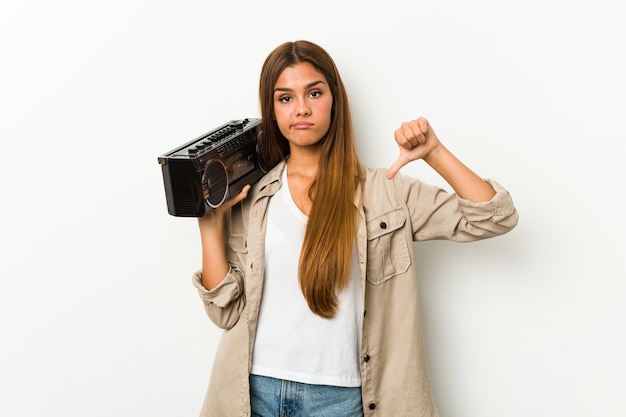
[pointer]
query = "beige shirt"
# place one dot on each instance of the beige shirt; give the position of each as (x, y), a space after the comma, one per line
(393, 214)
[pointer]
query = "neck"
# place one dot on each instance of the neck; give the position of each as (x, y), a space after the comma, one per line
(303, 162)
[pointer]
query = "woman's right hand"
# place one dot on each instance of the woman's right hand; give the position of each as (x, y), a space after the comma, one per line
(217, 215)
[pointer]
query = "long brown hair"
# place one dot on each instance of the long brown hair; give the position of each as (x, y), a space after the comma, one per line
(326, 256)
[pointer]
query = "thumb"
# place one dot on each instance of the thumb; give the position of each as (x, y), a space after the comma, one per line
(395, 167)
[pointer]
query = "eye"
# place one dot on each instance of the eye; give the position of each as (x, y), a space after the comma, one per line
(315, 93)
(284, 99)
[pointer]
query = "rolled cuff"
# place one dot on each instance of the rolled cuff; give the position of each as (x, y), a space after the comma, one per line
(500, 209)
(223, 294)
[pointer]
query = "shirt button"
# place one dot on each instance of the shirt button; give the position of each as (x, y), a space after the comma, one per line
(372, 406)
(383, 225)
(366, 358)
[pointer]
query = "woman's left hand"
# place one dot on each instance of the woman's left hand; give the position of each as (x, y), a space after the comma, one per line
(416, 140)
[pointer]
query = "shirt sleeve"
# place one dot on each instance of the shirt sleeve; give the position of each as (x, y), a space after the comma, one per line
(437, 214)
(224, 303)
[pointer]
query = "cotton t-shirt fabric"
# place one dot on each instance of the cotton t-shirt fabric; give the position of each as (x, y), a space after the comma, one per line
(292, 342)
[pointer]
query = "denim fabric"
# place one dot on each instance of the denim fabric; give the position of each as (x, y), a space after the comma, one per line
(271, 397)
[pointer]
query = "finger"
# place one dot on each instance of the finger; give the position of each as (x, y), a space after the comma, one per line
(416, 131)
(402, 139)
(231, 202)
(423, 126)
(407, 136)
(395, 167)
(241, 195)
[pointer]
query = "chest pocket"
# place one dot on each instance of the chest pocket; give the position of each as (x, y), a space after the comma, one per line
(238, 243)
(387, 246)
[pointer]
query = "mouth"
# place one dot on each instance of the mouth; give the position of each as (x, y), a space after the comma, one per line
(302, 125)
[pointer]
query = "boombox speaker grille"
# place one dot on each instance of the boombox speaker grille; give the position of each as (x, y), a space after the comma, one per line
(215, 182)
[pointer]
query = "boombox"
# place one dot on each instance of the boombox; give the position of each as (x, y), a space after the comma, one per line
(203, 173)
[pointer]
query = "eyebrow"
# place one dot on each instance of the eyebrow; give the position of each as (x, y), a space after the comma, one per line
(306, 87)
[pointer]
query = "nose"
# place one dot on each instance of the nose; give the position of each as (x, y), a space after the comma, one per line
(303, 108)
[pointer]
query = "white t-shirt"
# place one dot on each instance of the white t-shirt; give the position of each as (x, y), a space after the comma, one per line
(291, 342)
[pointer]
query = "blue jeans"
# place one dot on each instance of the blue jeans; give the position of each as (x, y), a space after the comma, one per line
(270, 397)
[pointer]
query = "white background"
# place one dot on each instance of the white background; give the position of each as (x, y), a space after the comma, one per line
(98, 316)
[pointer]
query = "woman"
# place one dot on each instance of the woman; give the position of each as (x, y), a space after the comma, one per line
(311, 271)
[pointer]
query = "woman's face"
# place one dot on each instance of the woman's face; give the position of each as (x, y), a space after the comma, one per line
(302, 105)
